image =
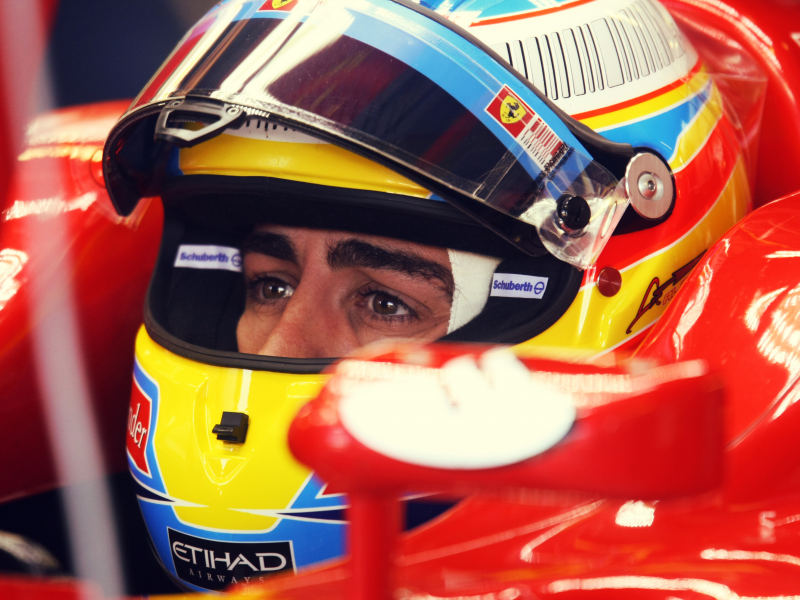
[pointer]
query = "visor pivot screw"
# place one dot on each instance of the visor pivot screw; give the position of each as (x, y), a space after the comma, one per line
(233, 110)
(232, 428)
(573, 213)
(650, 186)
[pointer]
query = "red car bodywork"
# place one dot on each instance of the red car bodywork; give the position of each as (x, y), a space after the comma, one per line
(108, 265)
(738, 311)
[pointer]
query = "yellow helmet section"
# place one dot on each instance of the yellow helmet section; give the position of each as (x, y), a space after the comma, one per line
(222, 485)
(287, 154)
(220, 513)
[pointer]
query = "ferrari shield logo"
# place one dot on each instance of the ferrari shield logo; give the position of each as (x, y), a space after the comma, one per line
(511, 110)
(538, 139)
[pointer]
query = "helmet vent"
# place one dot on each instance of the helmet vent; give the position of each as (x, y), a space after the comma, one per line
(620, 48)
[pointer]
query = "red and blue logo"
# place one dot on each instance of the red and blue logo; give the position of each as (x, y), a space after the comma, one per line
(139, 418)
(142, 421)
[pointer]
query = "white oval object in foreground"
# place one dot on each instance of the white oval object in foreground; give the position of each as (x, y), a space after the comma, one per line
(461, 417)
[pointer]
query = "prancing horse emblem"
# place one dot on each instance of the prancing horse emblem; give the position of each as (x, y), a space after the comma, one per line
(511, 111)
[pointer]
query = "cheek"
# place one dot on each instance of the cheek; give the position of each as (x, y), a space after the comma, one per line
(422, 334)
(254, 329)
(438, 330)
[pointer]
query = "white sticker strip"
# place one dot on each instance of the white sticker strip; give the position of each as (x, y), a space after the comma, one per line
(209, 257)
(512, 285)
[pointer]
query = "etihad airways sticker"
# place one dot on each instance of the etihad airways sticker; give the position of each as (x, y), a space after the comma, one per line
(209, 257)
(529, 129)
(518, 286)
(214, 565)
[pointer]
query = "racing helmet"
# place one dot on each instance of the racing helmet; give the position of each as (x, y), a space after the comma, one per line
(441, 124)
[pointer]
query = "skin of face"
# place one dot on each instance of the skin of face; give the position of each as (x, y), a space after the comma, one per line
(318, 294)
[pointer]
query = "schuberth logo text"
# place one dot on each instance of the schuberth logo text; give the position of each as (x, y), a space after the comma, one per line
(539, 140)
(661, 293)
(139, 414)
(194, 256)
(214, 565)
(510, 285)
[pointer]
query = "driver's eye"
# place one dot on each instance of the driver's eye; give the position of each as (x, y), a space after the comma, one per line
(384, 304)
(275, 289)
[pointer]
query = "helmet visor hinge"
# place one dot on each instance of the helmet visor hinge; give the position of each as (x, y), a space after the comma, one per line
(232, 427)
(188, 122)
(650, 185)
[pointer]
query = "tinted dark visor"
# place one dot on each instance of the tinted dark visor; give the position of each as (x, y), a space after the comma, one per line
(393, 84)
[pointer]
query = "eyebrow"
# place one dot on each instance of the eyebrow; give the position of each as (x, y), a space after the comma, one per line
(270, 244)
(357, 253)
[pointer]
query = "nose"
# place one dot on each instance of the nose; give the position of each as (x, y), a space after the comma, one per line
(311, 326)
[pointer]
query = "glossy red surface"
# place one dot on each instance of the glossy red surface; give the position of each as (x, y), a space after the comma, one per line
(766, 31)
(32, 588)
(739, 312)
(23, 34)
(58, 219)
(651, 435)
(374, 525)
(655, 434)
(543, 545)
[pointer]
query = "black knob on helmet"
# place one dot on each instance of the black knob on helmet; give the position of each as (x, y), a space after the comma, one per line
(573, 212)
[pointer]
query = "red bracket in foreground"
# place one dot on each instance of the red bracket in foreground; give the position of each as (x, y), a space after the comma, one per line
(394, 421)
